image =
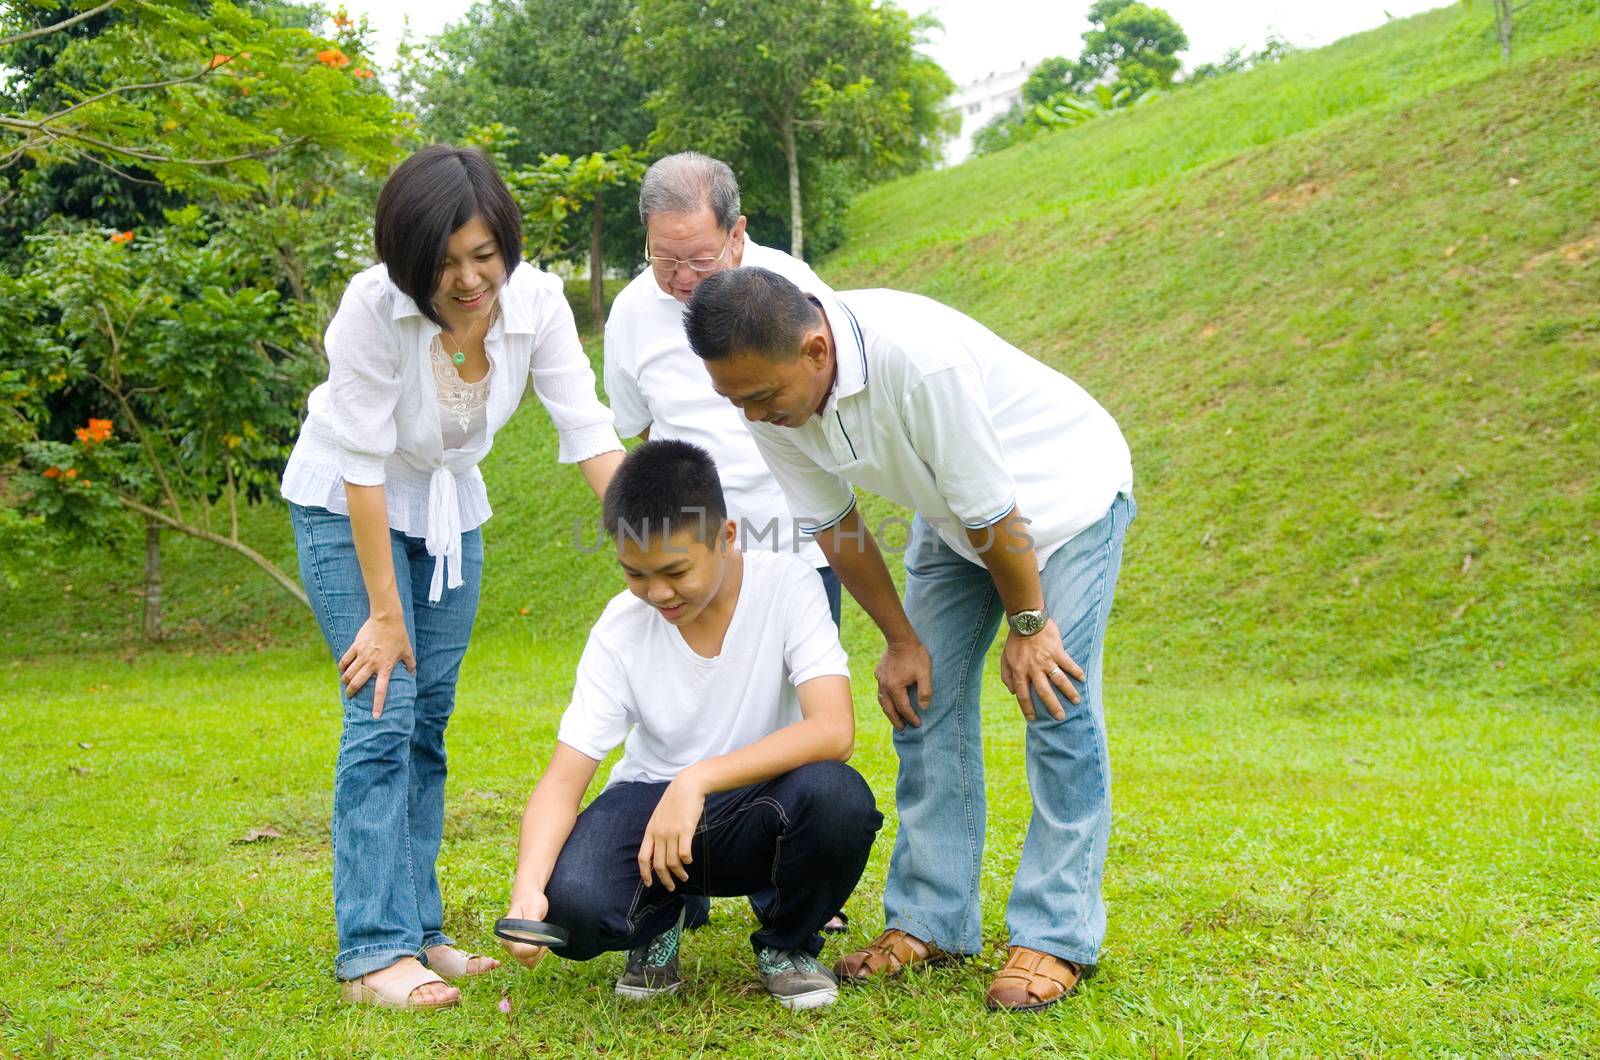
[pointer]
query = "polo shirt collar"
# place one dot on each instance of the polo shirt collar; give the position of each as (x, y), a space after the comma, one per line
(849, 348)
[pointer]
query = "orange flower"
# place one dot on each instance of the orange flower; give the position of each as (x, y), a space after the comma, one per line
(99, 430)
(218, 60)
(72, 472)
(341, 18)
(361, 72)
(123, 238)
(333, 57)
(83, 436)
(52, 472)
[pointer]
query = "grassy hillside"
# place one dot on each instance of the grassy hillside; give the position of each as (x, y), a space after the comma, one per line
(1357, 365)
(1345, 309)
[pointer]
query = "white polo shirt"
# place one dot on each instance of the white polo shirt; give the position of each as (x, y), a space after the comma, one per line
(934, 411)
(653, 379)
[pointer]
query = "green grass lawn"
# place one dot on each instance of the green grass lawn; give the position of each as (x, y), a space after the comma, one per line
(1338, 869)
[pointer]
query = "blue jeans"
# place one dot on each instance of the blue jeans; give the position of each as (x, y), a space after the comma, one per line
(388, 787)
(802, 838)
(932, 889)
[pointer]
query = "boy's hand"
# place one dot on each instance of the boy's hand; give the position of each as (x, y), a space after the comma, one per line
(534, 907)
(669, 837)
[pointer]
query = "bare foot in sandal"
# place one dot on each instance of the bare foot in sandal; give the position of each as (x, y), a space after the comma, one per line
(453, 964)
(404, 984)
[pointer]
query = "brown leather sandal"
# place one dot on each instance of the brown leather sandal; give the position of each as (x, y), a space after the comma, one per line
(1032, 980)
(889, 954)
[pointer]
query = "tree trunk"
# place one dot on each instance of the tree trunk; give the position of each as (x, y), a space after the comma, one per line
(597, 269)
(289, 585)
(1502, 19)
(797, 242)
(152, 580)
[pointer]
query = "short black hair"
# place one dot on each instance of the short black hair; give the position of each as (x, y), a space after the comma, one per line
(426, 198)
(748, 310)
(662, 487)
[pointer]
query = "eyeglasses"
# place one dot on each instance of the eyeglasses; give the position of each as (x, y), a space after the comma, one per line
(666, 266)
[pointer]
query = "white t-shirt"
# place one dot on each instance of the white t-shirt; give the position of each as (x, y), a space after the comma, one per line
(653, 379)
(934, 411)
(638, 674)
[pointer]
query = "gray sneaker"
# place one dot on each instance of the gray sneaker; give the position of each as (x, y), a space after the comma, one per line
(795, 979)
(653, 968)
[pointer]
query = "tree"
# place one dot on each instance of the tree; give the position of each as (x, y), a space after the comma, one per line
(190, 354)
(1131, 45)
(1052, 76)
(834, 89)
(557, 74)
(177, 353)
(1129, 57)
(554, 189)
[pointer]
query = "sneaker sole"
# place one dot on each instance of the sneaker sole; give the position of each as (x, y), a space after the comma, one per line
(645, 993)
(814, 999)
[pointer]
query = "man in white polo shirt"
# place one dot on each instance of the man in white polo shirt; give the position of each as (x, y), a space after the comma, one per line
(689, 204)
(1023, 488)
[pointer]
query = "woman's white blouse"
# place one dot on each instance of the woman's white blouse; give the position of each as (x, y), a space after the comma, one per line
(377, 421)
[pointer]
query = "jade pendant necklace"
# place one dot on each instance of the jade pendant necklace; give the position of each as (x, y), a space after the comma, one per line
(459, 357)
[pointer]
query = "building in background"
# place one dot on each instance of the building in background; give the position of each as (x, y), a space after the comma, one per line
(980, 102)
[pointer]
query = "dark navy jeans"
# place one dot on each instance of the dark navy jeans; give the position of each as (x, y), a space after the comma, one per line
(697, 909)
(803, 836)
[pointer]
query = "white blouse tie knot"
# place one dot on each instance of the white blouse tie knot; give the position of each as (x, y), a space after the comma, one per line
(443, 538)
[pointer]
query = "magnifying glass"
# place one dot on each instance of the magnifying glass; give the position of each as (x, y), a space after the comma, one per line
(531, 932)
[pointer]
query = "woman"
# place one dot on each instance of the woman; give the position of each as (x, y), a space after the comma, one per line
(428, 356)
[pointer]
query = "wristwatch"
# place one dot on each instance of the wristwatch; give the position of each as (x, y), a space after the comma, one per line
(1027, 623)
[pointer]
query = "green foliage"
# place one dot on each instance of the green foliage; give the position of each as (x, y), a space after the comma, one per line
(1237, 60)
(1060, 111)
(557, 74)
(1131, 46)
(193, 333)
(174, 336)
(198, 96)
(555, 188)
(1129, 57)
(793, 96)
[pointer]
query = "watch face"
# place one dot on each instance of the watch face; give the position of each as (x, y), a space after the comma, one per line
(1027, 623)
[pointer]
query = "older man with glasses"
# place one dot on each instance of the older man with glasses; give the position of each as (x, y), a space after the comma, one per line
(657, 387)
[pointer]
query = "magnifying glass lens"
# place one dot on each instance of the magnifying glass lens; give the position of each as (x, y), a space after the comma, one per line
(531, 932)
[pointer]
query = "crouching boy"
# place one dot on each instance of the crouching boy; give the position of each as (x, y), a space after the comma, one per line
(721, 673)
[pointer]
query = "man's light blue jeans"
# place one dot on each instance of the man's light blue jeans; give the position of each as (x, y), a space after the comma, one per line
(932, 890)
(388, 787)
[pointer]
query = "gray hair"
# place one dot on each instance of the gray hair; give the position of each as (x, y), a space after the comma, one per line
(687, 183)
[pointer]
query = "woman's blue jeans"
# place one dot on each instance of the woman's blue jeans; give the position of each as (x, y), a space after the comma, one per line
(388, 787)
(932, 890)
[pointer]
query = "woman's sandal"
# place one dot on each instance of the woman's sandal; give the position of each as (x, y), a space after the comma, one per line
(394, 992)
(453, 964)
(837, 924)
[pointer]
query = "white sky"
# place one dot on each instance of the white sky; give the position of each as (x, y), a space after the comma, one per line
(980, 36)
